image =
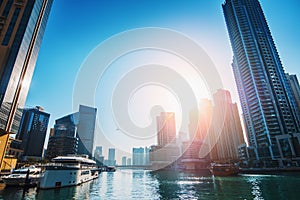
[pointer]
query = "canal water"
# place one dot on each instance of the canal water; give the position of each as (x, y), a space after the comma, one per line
(140, 184)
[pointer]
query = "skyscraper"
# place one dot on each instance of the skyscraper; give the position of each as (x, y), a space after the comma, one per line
(22, 25)
(111, 161)
(86, 130)
(32, 132)
(294, 83)
(138, 157)
(226, 132)
(124, 160)
(79, 125)
(64, 140)
(268, 106)
(166, 129)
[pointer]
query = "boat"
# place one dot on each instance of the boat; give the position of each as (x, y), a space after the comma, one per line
(68, 171)
(224, 169)
(110, 169)
(24, 176)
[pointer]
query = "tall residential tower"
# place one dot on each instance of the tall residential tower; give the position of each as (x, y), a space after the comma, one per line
(266, 98)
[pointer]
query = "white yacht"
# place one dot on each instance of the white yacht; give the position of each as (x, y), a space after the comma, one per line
(68, 171)
(25, 176)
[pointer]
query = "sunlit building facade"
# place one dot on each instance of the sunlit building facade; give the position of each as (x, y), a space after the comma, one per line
(226, 133)
(22, 25)
(268, 106)
(166, 129)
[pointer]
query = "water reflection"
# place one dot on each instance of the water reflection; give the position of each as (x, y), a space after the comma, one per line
(139, 184)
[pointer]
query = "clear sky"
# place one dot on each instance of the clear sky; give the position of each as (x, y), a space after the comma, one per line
(76, 27)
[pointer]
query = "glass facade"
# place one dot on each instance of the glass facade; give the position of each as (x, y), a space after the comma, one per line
(268, 106)
(74, 134)
(32, 132)
(22, 25)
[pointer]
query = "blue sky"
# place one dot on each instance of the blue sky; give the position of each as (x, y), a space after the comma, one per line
(76, 27)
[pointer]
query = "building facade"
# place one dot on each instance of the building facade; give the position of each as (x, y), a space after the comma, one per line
(86, 130)
(22, 25)
(111, 161)
(166, 129)
(32, 132)
(294, 83)
(63, 140)
(138, 156)
(79, 131)
(226, 133)
(268, 106)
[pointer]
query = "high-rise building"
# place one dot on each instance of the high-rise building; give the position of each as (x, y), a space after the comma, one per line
(200, 120)
(147, 156)
(226, 133)
(138, 156)
(124, 160)
(128, 161)
(166, 129)
(86, 130)
(80, 125)
(111, 161)
(268, 106)
(294, 83)
(63, 140)
(22, 25)
(32, 132)
(98, 154)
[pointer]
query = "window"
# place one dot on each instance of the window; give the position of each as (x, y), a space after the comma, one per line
(11, 27)
(7, 8)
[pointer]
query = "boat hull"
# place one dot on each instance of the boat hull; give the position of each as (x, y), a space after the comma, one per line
(57, 178)
(21, 181)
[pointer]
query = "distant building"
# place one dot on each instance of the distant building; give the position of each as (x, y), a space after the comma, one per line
(74, 133)
(128, 161)
(147, 156)
(294, 83)
(124, 160)
(32, 132)
(98, 155)
(111, 161)
(226, 132)
(200, 120)
(164, 157)
(166, 129)
(138, 157)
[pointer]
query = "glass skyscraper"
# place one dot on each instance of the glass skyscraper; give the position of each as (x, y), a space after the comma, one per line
(268, 106)
(74, 134)
(22, 25)
(32, 132)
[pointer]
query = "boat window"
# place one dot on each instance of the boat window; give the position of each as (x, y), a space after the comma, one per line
(19, 172)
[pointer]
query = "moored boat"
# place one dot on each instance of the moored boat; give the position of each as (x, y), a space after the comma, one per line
(224, 169)
(68, 171)
(25, 176)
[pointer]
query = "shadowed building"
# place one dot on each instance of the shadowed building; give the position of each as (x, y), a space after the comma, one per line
(64, 140)
(32, 132)
(22, 25)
